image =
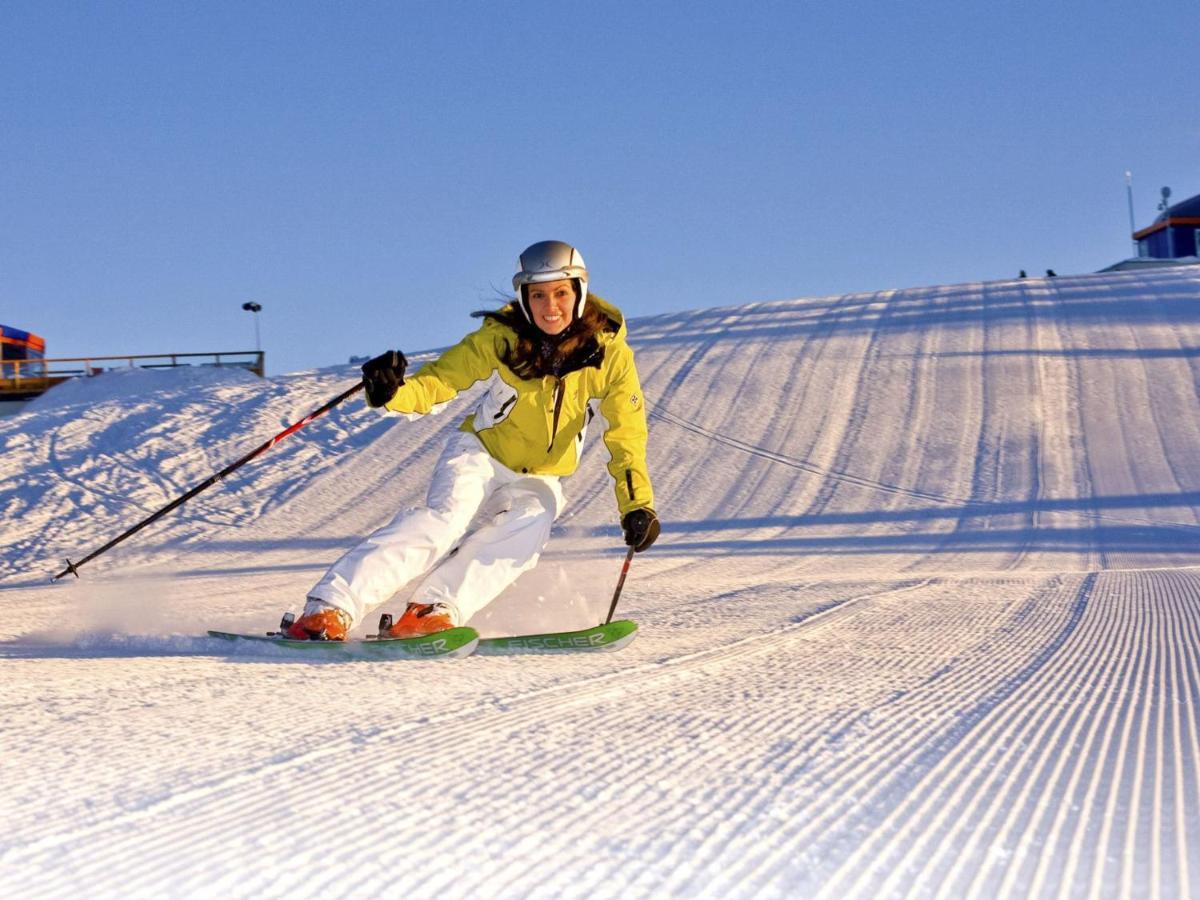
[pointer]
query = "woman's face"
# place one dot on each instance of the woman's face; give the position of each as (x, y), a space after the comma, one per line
(552, 304)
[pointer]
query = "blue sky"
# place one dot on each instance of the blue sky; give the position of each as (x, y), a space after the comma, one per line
(369, 172)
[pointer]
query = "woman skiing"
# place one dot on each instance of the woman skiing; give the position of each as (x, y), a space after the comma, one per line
(550, 360)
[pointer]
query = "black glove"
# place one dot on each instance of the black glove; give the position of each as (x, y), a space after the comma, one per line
(383, 376)
(641, 528)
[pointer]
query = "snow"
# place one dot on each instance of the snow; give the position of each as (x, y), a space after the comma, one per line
(924, 621)
(123, 384)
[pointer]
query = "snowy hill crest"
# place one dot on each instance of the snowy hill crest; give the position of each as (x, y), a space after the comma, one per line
(925, 617)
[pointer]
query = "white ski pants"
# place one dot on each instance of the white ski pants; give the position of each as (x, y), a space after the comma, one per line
(482, 526)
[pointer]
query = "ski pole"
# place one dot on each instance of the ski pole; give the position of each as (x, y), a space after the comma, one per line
(73, 568)
(620, 584)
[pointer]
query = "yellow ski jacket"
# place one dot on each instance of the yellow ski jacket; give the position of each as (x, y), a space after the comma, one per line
(538, 425)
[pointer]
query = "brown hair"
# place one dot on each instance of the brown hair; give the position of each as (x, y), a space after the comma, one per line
(535, 354)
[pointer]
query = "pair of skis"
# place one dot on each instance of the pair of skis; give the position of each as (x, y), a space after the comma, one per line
(455, 642)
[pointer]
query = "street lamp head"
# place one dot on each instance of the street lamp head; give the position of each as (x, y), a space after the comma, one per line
(252, 307)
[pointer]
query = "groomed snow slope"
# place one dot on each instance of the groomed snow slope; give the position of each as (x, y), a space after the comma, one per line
(924, 621)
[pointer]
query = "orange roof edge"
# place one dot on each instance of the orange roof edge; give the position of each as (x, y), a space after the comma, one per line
(1159, 226)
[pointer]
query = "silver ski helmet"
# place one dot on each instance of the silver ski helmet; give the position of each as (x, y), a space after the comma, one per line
(550, 261)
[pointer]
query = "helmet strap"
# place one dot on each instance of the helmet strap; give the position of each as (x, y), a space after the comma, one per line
(523, 302)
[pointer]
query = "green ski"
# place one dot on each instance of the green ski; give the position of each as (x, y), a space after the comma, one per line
(612, 636)
(452, 643)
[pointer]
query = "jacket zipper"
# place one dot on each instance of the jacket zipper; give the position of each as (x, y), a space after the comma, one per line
(558, 398)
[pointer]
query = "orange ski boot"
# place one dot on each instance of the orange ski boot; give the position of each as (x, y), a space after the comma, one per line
(421, 619)
(320, 623)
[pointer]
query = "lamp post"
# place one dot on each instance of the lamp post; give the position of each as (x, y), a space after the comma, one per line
(255, 308)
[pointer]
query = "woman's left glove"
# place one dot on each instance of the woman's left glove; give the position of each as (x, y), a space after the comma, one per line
(383, 376)
(641, 528)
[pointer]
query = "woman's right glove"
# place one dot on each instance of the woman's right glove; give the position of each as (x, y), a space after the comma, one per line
(641, 528)
(383, 376)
